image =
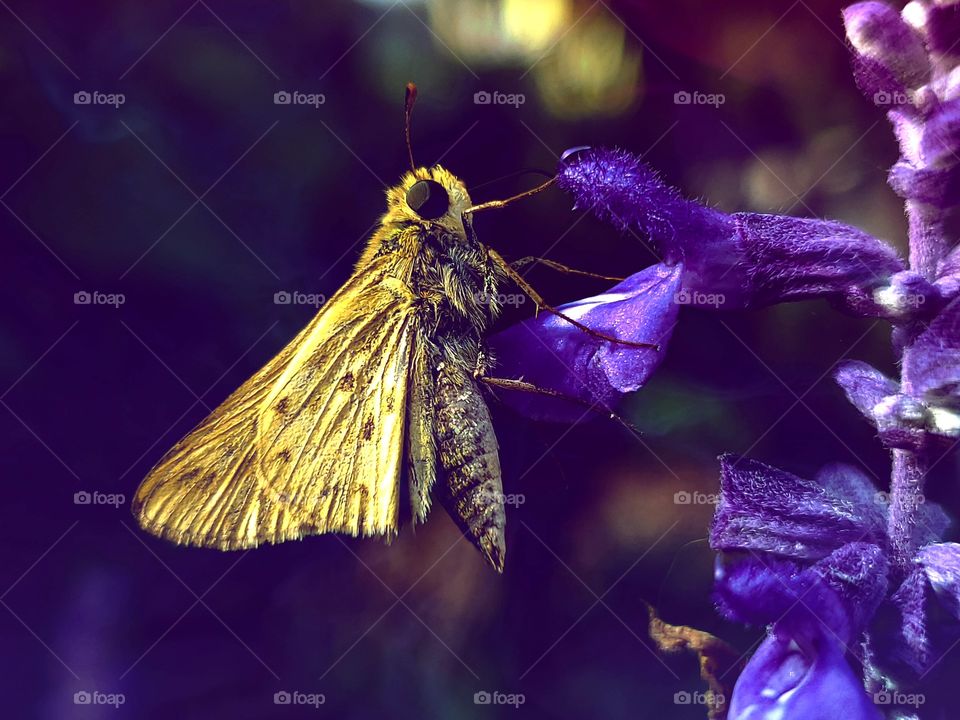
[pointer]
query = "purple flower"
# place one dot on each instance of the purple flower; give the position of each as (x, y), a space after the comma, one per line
(811, 559)
(711, 261)
(750, 259)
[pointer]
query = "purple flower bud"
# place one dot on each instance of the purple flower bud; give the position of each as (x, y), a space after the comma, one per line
(890, 55)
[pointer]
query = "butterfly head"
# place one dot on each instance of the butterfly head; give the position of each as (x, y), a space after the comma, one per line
(432, 198)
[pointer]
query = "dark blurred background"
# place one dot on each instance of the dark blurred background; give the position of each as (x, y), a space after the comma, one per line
(198, 198)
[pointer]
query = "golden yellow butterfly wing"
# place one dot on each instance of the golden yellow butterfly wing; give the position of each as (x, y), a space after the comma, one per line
(312, 443)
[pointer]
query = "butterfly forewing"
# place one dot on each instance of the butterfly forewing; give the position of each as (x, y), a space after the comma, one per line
(312, 443)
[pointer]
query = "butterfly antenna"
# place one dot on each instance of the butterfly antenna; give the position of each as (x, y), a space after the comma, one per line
(409, 100)
(504, 203)
(524, 171)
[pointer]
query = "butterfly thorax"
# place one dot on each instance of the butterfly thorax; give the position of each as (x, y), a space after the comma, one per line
(448, 271)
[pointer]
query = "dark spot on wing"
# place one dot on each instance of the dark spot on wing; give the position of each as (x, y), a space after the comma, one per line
(346, 382)
(284, 456)
(281, 406)
(368, 427)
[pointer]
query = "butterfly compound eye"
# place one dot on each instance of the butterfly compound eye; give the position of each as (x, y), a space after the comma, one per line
(428, 199)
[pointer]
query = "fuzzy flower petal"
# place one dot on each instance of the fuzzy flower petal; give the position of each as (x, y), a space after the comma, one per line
(749, 259)
(931, 365)
(764, 509)
(865, 386)
(551, 353)
(941, 564)
(912, 642)
(800, 671)
(922, 619)
(841, 591)
(948, 273)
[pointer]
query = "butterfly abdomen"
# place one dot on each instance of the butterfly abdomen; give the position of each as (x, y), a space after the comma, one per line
(470, 489)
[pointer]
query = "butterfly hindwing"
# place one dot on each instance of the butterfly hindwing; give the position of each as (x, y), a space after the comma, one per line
(312, 443)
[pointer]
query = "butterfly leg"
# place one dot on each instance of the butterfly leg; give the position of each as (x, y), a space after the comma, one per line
(541, 304)
(533, 260)
(524, 386)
